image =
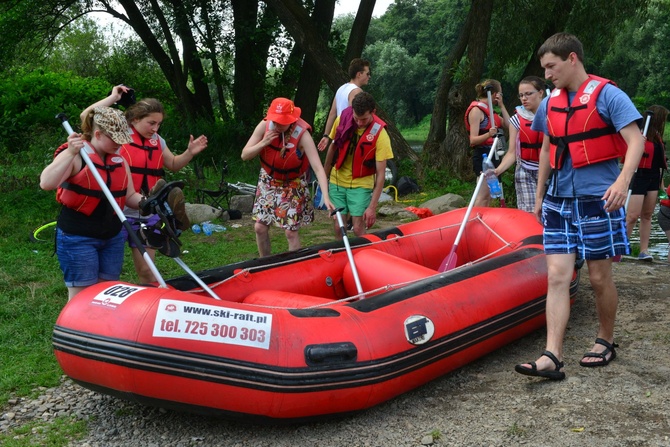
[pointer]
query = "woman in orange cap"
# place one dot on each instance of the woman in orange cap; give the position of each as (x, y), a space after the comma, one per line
(284, 145)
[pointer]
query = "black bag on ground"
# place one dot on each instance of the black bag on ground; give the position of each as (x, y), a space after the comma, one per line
(407, 185)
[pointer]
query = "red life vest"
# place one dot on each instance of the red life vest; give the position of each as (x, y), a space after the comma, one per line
(145, 158)
(530, 140)
(483, 128)
(364, 162)
(648, 156)
(82, 193)
(580, 128)
(293, 163)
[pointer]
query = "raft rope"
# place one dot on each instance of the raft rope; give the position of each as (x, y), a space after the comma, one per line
(386, 288)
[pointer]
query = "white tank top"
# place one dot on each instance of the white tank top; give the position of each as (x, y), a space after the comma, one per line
(342, 96)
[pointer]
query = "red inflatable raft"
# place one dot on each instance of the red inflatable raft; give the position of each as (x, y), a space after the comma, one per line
(292, 339)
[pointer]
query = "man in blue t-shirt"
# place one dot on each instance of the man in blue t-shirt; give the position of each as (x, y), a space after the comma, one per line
(582, 213)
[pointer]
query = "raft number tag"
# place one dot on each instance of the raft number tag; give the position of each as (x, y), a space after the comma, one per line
(216, 324)
(115, 295)
(419, 329)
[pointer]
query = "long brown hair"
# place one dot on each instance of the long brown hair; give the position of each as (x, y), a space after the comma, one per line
(657, 123)
(144, 108)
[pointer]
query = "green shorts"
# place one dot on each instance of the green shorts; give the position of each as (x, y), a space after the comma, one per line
(354, 200)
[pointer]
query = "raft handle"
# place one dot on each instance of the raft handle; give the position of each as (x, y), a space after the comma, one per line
(330, 353)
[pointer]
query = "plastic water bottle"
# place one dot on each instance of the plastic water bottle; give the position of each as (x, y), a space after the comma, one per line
(207, 228)
(218, 228)
(196, 229)
(489, 174)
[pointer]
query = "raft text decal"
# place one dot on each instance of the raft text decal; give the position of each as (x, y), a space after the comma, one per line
(193, 321)
(113, 296)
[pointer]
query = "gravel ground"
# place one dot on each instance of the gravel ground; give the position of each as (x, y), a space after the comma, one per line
(483, 404)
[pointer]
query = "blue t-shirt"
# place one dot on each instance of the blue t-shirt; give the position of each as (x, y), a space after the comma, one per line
(616, 109)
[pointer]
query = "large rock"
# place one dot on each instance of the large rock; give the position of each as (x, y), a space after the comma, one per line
(242, 203)
(199, 212)
(444, 203)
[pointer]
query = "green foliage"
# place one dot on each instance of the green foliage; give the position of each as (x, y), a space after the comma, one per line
(58, 433)
(406, 81)
(32, 99)
(638, 59)
(81, 48)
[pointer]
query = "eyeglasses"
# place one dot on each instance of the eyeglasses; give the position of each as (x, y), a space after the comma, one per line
(527, 94)
(367, 73)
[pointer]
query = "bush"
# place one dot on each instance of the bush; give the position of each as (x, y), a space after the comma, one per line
(32, 99)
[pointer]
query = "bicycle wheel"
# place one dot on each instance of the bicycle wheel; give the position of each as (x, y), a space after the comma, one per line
(44, 233)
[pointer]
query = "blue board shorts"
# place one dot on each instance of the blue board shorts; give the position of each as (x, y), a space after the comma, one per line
(582, 226)
(86, 260)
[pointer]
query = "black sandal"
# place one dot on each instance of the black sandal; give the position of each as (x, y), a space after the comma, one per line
(555, 374)
(601, 355)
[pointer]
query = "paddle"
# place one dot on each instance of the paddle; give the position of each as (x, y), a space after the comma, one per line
(340, 222)
(649, 114)
(450, 261)
(492, 123)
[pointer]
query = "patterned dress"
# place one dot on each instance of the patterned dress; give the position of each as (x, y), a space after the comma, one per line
(285, 204)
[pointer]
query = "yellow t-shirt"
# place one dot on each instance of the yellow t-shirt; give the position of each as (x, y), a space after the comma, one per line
(343, 176)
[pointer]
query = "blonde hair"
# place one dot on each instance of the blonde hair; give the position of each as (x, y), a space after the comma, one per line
(481, 87)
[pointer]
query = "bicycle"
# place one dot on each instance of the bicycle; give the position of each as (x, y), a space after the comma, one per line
(242, 188)
(216, 197)
(44, 233)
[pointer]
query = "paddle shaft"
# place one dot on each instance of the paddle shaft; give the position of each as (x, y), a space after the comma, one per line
(197, 279)
(450, 261)
(112, 202)
(354, 270)
(649, 114)
(492, 122)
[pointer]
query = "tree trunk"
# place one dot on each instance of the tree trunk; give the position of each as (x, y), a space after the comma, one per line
(200, 100)
(210, 43)
(309, 84)
(457, 141)
(359, 31)
(295, 19)
(253, 38)
(171, 62)
(433, 155)
(561, 13)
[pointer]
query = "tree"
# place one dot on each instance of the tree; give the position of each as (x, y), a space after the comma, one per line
(296, 20)
(508, 54)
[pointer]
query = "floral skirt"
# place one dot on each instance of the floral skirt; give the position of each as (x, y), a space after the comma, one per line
(284, 204)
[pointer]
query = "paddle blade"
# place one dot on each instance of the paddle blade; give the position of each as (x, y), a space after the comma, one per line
(450, 261)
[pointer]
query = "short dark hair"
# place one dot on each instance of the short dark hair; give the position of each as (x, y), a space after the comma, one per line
(363, 102)
(562, 44)
(356, 65)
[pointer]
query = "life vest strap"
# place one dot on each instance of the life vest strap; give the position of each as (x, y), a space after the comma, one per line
(91, 192)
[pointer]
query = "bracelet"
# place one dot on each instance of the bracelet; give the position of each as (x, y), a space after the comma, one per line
(327, 136)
